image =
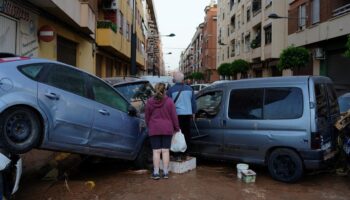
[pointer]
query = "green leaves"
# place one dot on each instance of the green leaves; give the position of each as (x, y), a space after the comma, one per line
(239, 66)
(224, 69)
(197, 75)
(293, 58)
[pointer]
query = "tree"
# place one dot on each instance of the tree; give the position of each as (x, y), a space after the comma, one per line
(293, 58)
(197, 75)
(239, 66)
(224, 69)
(347, 52)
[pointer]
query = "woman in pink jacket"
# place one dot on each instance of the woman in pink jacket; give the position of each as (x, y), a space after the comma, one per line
(162, 123)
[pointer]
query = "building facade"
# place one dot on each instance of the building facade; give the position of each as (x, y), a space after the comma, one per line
(116, 22)
(50, 29)
(200, 55)
(322, 26)
(246, 32)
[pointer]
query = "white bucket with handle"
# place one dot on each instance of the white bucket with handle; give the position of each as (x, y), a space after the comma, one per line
(240, 168)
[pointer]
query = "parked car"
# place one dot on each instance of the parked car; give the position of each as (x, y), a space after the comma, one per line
(344, 102)
(51, 105)
(197, 87)
(285, 123)
(135, 90)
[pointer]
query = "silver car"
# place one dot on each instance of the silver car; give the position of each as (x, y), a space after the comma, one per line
(51, 105)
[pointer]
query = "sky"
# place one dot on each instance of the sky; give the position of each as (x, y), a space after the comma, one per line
(182, 18)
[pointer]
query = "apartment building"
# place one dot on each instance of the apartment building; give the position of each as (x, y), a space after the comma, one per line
(246, 32)
(154, 63)
(200, 55)
(52, 29)
(322, 27)
(116, 21)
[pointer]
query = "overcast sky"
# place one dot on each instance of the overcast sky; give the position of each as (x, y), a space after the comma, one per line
(180, 17)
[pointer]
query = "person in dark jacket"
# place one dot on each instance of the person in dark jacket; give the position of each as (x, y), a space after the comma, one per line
(162, 123)
(185, 104)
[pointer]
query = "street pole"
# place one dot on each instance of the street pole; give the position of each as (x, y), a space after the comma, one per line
(133, 41)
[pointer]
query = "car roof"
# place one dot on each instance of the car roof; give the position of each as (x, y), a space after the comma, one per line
(346, 95)
(116, 81)
(272, 80)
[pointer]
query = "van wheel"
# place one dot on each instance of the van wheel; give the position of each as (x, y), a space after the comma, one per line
(144, 159)
(285, 165)
(19, 130)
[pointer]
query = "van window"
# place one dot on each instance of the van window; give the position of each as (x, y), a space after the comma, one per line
(246, 104)
(208, 104)
(276, 103)
(283, 103)
(333, 102)
(321, 100)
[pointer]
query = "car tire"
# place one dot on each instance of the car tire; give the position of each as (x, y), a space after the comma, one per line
(19, 130)
(285, 165)
(144, 159)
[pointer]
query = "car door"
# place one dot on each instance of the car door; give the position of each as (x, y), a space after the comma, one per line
(113, 131)
(208, 138)
(62, 95)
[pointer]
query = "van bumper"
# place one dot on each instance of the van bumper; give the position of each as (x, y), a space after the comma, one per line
(317, 159)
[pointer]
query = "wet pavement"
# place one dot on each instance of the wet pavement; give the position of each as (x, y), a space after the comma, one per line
(210, 180)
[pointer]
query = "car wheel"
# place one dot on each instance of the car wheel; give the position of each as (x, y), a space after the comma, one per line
(285, 165)
(19, 130)
(144, 159)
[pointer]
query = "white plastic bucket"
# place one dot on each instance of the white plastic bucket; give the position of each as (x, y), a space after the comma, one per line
(240, 167)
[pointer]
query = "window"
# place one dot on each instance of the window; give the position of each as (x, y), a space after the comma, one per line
(104, 94)
(321, 100)
(268, 34)
(248, 14)
(67, 79)
(302, 17)
(32, 70)
(246, 104)
(283, 103)
(121, 22)
(266, 103)
(315, 11)
(208, 105)
(247, 43)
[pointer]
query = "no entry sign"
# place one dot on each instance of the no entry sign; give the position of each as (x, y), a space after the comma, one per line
(46, 33)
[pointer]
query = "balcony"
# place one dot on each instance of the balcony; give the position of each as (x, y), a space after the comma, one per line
(74, 12)
(108, 37)
(341, 10)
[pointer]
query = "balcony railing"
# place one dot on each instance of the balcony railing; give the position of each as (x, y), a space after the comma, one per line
(107, 25)
(341, 10)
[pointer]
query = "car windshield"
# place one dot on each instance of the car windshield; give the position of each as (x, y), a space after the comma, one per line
(136, 93)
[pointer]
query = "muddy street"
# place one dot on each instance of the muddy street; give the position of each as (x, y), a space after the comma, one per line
(210, 180)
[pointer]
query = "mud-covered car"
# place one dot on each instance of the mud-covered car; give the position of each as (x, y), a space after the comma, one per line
(51, 105)
(135, 90)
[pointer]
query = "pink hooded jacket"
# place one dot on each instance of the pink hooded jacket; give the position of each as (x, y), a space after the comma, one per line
(161, 117)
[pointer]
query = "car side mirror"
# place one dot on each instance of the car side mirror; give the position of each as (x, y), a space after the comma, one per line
(132, 111)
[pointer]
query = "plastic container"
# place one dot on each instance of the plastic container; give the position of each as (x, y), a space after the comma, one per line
(248, 176)
(240, 167)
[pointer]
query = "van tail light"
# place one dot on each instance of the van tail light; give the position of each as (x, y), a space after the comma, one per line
(316, 140)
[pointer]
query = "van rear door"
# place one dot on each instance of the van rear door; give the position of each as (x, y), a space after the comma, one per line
(327, 111)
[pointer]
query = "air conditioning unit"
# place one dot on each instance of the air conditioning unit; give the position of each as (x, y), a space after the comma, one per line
(319, 53)
(110, 5)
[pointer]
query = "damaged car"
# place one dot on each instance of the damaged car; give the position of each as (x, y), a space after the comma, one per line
(50, 105)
